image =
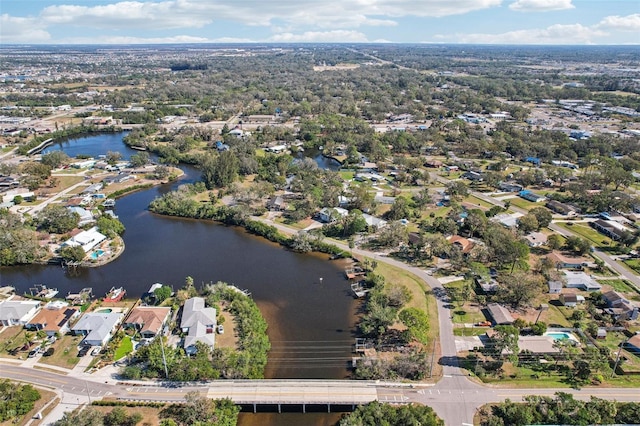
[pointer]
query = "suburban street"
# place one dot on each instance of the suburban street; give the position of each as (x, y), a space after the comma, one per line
(455, 398)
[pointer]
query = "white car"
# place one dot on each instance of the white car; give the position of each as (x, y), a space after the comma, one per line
(220, 329)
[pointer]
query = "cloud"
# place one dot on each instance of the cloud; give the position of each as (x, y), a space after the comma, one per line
(555, 34)
(621, 23)
(172, 14)
(336, 36)
(22, 30)
(540, 5)
(136, 40)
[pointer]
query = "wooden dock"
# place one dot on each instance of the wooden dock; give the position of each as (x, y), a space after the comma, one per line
(353, 273)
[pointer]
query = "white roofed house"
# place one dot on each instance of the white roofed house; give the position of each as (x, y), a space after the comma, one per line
(17, 312)
(97, 327)
(88, 239)
(199, 324)
(86, 216)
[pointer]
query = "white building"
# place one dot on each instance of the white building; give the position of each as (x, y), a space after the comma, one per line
(88, 239)
(17, 312)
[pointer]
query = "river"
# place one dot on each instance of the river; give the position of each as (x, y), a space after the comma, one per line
(304, 297)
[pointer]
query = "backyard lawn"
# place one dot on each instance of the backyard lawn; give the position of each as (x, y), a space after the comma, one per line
(522, 203)
(622, 286)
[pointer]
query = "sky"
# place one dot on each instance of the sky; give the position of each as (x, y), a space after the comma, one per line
(542, 22)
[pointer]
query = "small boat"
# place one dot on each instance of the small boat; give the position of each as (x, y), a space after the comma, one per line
(109, 203)
(115, 294)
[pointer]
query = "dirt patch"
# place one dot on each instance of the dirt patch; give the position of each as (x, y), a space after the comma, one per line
(150, 415)
(228, 339)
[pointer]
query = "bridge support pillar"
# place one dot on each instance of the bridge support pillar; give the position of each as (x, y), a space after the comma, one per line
(304, 408)
(328, 408)
(254, 408)
(279, 408)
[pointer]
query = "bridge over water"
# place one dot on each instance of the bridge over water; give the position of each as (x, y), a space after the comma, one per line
(277, 393)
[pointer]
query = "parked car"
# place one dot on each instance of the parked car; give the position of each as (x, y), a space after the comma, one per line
(95, 351)
(34, 352)
(220, 329)
(484, 324)
(49, 352)
(83, 351)
(52, 339)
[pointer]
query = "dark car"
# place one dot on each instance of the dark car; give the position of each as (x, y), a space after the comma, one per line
(83, 351)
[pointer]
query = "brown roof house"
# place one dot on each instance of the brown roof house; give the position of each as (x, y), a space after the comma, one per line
(499, 314)
(148, 320)
(563, 261)
(54, 318)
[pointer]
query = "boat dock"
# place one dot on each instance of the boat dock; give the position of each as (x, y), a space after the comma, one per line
(42, 292)
(80, 298)
(355, 272)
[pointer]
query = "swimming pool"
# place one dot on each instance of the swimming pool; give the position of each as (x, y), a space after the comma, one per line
(96, 254)
(104, 311)
(560, 335)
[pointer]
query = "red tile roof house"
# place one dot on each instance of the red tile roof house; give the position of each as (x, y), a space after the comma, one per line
(148, 321)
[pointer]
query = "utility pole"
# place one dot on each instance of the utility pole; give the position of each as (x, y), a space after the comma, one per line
(615, 365)
(164, 359)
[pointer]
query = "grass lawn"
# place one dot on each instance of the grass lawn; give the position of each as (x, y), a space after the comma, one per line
(589, 233)
(618, 285)
(468, 331)
(347, 175)
(555, 316)
(124, 348)
(65, 352)
(10, 339)
(477, 201)
(421, 298)
(45, 397)
(634, 264)
(522, 203)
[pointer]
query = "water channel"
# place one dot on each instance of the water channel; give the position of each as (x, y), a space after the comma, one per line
(304, 298)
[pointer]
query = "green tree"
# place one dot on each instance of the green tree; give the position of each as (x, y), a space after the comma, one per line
(72, 253)
(161, 294)
(139, 159)
(55, 159)
(528, 223)
(57, 219)
(220, 170)
(542, 215)
(109, 226)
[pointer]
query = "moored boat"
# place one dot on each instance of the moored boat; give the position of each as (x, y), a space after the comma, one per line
(115, 294)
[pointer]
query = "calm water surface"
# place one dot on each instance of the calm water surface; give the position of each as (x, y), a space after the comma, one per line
(310, 319)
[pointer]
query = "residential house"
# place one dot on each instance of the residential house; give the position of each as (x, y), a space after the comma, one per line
(276, 203)
(93, 188)
(532, 196)
(499, 314)
(88, 239)
(610, 228)
(508, 220)
(571, 300)
(374, 222)
(16, 311)
(148, 320)
(199, 323)
(473, 176)
(536, 239)
(510, 187)
(561, 208)
(462, 243)
(581, 281)
(488, 285)
(555, 287)
(633, 344)
(86, 217)
(54, 318)
(562, 261)
(331, 214)
(538, 345)
(601, 333)
(619, 307)
(97, 327)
